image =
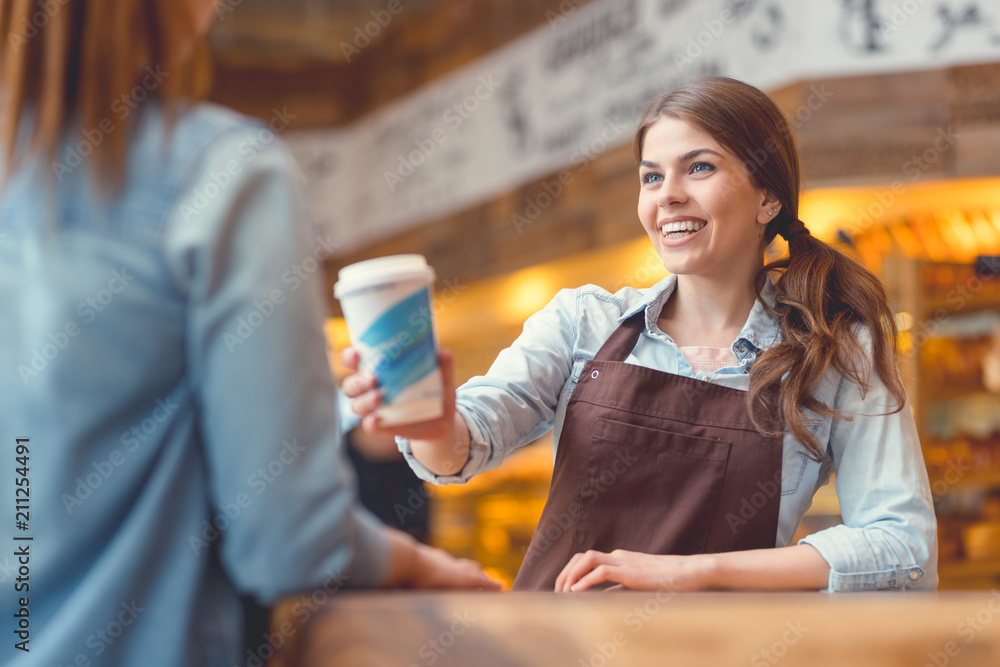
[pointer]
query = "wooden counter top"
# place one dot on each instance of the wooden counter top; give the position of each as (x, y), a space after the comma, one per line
(410, 629)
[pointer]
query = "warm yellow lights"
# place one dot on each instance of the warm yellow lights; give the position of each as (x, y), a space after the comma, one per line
(859, 209)
(525, 292)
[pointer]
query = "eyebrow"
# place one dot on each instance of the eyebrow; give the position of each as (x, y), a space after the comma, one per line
(690, 155)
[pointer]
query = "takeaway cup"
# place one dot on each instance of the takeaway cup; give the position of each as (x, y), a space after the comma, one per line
(387, 305)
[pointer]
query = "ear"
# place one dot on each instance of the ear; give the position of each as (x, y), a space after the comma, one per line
(769, 208)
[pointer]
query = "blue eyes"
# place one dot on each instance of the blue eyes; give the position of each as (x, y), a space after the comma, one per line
(650, 177)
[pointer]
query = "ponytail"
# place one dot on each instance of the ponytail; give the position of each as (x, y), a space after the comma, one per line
(823, 300)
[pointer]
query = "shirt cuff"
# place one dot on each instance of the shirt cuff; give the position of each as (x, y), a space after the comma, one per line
(479, 454)
(855, 563)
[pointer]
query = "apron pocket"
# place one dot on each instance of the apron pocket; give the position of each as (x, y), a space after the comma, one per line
(655, 491)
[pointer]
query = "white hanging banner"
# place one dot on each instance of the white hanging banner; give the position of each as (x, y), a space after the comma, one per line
(575, 87)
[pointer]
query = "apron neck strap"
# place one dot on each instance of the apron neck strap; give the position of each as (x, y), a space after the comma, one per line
(622, 341)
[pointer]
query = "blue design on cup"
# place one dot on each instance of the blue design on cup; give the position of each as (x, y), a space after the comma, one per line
(401, 342)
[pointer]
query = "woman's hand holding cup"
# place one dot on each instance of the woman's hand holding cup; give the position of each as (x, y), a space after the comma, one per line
(442, 440)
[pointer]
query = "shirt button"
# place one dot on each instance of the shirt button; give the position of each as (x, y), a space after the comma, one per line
(914, 576)
(739, 350)
(595, 374)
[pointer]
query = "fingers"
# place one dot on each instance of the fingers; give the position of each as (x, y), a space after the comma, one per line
(561, 586)
(363, 388)
(366, 403)
(476, 578)
(435, 568)
(579, 567)
(350, 357)
(600, 574)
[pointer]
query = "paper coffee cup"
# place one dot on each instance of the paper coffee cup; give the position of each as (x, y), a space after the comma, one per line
(387, 305)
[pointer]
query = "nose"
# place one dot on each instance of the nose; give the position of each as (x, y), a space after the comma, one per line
(671, 192)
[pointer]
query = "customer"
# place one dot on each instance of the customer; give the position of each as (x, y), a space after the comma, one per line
(696, 419)
(169, 375)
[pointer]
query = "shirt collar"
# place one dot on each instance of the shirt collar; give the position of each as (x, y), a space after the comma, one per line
(762, 329)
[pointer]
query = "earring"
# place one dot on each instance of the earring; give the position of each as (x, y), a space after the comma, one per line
(771, 212)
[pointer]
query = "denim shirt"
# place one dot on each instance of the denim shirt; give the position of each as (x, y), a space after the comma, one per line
(162, 348)
(888, 538)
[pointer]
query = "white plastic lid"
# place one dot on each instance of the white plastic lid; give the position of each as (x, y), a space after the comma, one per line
(382, 270)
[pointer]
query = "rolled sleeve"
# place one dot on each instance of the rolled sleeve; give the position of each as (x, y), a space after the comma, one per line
(256, 354)
(889, 536)
(516, 401)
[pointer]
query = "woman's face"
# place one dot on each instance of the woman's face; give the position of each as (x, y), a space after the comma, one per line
(697, 203)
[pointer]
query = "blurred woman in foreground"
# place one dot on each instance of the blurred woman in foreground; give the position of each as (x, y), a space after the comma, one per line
(172, 387)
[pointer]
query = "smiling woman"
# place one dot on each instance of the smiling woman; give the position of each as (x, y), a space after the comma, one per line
(696, 419)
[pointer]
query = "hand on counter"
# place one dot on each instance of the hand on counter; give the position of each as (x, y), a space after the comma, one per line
(633, 570)
(416, 565)
(442, 444)
(799, 567)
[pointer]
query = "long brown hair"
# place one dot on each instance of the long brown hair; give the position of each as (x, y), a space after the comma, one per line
(91, 61)
(821, 295)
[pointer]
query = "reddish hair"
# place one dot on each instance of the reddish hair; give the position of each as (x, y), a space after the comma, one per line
(71, 60)
(823, 298)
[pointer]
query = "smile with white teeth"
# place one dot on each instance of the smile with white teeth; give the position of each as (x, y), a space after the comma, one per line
(678, 230)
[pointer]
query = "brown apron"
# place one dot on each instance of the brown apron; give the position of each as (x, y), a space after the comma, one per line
(653, 462)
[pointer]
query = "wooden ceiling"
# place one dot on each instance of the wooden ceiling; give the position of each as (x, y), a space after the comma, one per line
(286, 32)
(292, 52)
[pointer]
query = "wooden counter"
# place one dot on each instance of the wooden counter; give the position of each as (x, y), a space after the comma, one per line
(409, 629)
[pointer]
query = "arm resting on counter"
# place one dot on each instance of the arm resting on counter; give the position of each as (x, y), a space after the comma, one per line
(787, 568)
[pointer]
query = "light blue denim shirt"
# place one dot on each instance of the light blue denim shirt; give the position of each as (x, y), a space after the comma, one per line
(163, 351)
(888, 538)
